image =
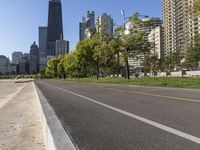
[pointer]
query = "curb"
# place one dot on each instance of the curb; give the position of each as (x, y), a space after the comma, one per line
(55, 136)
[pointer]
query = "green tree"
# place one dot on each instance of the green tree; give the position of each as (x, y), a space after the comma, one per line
(69, 65)
(196, 7)
(84, 57)
(51, 69)
(60, 68)
(151, 64)
(134, 43)
(193, 55)
(173, 61)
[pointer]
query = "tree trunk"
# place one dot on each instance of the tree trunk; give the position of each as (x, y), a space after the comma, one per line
(127, 71)
(97, 70)
(118, 65)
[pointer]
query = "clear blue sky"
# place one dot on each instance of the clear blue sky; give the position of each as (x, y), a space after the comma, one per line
(20, 18)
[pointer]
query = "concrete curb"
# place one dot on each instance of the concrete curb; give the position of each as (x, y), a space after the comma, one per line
(55, 135)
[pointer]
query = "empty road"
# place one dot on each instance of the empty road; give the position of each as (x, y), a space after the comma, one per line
(122, 117)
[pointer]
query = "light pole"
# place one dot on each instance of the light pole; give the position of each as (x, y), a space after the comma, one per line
(127, 71)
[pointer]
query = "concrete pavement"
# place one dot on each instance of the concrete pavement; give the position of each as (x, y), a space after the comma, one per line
(20, 124)
(103, 116)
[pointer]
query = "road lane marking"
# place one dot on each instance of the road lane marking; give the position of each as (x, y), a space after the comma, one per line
(139, 118)
(157, 95)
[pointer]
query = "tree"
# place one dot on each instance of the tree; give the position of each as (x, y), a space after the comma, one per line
(84, 57)
(134, 43)
(69, 65)
(193, 55)
(196, 7)
(173, 61)
(51, 69)
(100, 46)
(151, 64)
(60, 68)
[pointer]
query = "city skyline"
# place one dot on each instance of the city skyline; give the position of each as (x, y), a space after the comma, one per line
(25, 30)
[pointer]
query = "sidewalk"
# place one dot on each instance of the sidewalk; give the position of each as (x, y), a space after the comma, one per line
(20, 123)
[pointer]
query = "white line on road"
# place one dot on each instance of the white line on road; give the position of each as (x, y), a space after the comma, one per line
(147, 121)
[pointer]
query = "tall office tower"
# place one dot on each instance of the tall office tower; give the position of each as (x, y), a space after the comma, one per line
(87, 22)
(16, 56)
(42, 42)
(23, 65)
(55, 26)
(62, 47)
(180, 26)
(105, 22)
(42, 47)
(34, 59)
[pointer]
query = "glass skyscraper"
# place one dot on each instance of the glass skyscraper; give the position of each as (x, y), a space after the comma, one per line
(55, 26)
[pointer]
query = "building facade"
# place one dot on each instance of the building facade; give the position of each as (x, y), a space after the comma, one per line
(155, 23)
(5, 65)
(87, 22)
(62, 47)
(16, 56)
(180, 26)
(42, 46)
(55, 26)
(34, 59)
(168, 10)
(156, 38)
(42, 42)
(105, 23)
(23, 66)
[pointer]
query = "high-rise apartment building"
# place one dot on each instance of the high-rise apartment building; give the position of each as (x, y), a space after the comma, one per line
(87, 22)
(193, 22)
(105, 22)
(16, 56)
(180, 26)
(168, 7)
(55, 26)
(156, 38)
(156, 23)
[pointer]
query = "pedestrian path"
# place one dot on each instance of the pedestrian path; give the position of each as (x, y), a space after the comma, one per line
(20, 123)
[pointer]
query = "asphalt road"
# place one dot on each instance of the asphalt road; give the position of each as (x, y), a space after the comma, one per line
(112, 117)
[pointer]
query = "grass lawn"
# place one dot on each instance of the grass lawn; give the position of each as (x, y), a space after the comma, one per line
(181, 82)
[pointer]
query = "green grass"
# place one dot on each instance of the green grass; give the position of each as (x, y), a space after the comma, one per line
(181, 82)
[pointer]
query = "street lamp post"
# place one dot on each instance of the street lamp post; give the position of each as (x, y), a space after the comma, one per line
(127, 71)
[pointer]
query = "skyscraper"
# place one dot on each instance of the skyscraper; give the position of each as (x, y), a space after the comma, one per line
(87, 22)
(34, 58)
(180, 26)
(62, 47)
(42, 42)
(105, 22)
(55, 26)
(42, 47)
(16, 56)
